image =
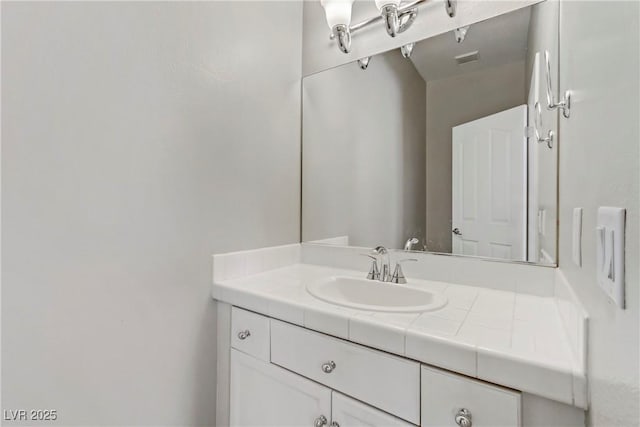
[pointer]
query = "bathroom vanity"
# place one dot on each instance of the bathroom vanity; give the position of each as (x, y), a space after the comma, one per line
(443, 144)
(296, 376)
(498, 356)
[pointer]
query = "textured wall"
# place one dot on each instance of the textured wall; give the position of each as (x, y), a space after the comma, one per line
(599, 164)
(137, 140)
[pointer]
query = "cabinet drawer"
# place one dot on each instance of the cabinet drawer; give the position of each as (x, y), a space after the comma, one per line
(250, 333)
(445, 394)
(382, 380)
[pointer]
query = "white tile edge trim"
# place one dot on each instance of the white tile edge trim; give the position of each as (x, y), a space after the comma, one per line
(563, 292)
(575, 321)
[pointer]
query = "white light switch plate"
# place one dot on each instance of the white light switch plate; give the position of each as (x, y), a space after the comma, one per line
(610, 231)
(577, 236)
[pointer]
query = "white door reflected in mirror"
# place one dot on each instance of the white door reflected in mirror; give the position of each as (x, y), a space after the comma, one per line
(490, 185)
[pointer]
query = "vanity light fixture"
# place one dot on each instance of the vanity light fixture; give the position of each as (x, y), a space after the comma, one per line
(407, 49)
(338, 14)
(460, 33)
(364, 62)
(396, 18)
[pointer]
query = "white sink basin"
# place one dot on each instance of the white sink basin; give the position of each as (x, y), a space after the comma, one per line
(373, 295)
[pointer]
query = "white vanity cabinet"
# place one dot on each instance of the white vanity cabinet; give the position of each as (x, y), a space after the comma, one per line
(287, 375)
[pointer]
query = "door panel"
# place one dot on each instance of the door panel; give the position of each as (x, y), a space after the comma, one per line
(446, 395)
(489, 185)
(347, 412)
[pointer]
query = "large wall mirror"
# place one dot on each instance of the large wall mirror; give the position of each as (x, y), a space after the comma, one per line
(451, 150)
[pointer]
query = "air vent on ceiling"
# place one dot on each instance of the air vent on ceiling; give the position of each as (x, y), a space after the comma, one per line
(465, 58)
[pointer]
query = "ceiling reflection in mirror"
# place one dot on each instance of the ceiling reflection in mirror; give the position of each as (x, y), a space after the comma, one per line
(451, 150)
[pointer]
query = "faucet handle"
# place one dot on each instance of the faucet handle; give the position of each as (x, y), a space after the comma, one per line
(379, 250)
(410, 242)
(398, 275)
(374, 273)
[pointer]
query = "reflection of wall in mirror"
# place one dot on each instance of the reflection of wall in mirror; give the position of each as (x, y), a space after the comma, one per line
(363, 151)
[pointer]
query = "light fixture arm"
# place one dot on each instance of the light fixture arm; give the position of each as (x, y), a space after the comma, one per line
(396, 19)
(342, 33)
(407, 18)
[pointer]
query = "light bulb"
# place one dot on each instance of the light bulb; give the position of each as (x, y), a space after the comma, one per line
(382, 3)
(338, 12)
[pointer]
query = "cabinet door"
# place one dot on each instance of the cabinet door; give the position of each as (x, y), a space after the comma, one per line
(347, 412)
(264, 395)
(447, 396)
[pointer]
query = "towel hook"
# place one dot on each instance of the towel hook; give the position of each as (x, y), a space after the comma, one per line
(565, 103)
(538, 124)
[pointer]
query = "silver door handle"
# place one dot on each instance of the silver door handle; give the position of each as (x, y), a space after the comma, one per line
(457, 231)
(243, 335)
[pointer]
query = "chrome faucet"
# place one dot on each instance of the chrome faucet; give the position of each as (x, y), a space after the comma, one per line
(374, 273)
(385, 271)
(398, 275)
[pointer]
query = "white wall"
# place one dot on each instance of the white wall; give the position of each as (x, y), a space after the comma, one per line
(137, 140)
(599, 164)
(451, 102)
(363, 151)
(320, 53)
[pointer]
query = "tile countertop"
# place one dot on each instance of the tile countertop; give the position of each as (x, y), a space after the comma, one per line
(515, 340)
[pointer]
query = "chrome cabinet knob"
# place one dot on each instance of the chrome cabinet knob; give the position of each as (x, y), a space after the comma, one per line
(328, 367)
(457, 232)
(320, 421)
(243, 335)
(463, 418)
(335, 424)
